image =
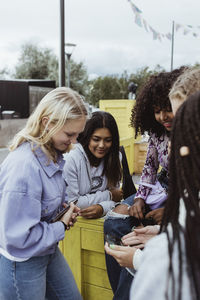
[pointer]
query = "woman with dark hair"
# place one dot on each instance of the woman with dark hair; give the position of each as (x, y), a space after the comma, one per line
(174, 256)
(92, 171)
(152, 114)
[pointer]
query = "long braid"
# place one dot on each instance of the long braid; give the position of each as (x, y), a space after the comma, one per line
(185, 184)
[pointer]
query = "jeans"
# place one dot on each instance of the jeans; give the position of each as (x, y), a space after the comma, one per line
(120, 279)
(43, 277)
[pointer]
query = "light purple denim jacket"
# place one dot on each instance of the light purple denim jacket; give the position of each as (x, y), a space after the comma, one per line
(157, 155)
(31, 193)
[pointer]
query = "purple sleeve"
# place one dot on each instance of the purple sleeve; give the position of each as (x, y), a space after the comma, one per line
(23, 234)
(150, 169)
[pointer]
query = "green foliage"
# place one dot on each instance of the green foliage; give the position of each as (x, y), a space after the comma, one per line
(78, 77)
(36, 63)
(4, 73)
(42, 63)
(143, 74)
(196, 65)
(104, 88)
(116, 86)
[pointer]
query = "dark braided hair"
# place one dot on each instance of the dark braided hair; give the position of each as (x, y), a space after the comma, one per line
(153, 94)
(112, 167)
(184, 186)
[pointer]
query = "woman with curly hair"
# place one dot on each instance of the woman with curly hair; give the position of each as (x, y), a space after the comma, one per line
(152, 114)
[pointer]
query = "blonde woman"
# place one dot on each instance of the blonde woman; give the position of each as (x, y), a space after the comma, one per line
(32, 192)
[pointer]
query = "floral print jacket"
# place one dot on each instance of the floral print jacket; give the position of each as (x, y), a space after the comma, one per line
(157, 155)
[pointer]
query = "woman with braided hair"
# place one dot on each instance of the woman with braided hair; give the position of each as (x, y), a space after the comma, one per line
(174, 256)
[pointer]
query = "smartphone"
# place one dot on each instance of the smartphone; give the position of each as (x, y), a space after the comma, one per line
(62, 212)
(111, 239)
(148, 221)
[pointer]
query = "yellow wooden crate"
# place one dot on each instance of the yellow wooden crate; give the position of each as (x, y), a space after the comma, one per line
(83, 248)
(140, 153)
(121, 111)
(128, 144)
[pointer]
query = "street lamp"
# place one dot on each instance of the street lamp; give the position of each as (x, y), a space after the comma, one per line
(69, 48)
(62, 44)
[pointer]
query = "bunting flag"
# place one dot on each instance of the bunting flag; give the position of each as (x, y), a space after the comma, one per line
(138, 20)
(145, 25)
(141, 22)
(188, 29)
(135, 8)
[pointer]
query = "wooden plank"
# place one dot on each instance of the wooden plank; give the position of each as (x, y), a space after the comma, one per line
(94, 259)
(71, 249)
(140, 153)
(92, 292)
(96, 277)
(92, 240)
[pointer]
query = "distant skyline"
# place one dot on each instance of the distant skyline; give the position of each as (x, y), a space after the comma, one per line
(108, 40)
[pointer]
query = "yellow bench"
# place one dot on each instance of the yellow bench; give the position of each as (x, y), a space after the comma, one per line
(83, 248)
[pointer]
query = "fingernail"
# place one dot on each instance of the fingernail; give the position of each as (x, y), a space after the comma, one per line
(112, 246)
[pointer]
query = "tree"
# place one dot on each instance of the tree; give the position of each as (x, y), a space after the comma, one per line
(42, 63)
(116, 86)
(4, 73)
(78, 77)
(35, 63)
(143, 74)
(104, 88)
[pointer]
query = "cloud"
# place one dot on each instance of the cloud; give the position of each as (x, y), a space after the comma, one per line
(108, 40)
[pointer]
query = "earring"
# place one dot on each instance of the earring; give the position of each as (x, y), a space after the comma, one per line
(184, 151)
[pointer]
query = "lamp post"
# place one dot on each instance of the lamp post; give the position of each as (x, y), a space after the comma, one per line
(69, 48)
(62, 44)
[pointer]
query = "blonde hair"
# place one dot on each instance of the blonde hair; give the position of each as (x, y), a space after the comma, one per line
(187, 84)
(59, 106)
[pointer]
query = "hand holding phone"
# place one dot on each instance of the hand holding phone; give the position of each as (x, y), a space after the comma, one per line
(112, 240)
(62, 212)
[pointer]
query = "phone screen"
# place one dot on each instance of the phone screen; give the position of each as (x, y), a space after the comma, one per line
(62, 212)
(111, 239)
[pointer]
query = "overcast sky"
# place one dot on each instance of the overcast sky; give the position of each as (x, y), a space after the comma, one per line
(108, 40)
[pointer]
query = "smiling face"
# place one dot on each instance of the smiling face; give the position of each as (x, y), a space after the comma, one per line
(100, 142)
(164, 117)
(68, 134)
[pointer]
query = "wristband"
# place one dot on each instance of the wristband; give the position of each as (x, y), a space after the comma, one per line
(66, 227)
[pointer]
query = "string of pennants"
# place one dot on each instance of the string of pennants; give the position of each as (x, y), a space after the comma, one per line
(141, 22)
